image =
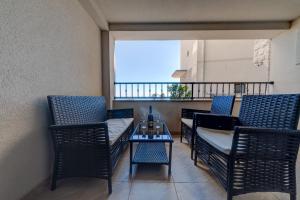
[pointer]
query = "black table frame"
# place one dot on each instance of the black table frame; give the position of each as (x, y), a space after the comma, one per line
(151, 150)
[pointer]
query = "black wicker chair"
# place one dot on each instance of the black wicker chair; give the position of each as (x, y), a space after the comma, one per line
(86, 141)
(255, 152)
(220, 105)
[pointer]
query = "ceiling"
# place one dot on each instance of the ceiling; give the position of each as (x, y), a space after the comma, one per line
(163, 11)
(195, 35)
(193, 19)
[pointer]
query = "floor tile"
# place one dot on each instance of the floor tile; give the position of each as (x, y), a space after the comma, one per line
(121, 172)
(200, 191)
(187, 182)
(151, 173)
(82, 189)
(257, 196)
(151, 191)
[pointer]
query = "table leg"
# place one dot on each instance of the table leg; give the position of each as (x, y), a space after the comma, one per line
(170, 158)
(130, 161)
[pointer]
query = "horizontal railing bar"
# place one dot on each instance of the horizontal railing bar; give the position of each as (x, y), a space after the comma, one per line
(203, 82)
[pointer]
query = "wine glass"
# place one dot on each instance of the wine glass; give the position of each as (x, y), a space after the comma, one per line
(143, 128)
(157, 127)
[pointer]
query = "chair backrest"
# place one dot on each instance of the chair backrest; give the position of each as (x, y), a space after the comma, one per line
(66, 110)
(270, 111)
(222, 105)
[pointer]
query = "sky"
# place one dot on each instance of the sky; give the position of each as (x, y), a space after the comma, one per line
(146, 61)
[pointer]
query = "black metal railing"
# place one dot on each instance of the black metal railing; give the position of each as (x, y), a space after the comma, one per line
(187, 90)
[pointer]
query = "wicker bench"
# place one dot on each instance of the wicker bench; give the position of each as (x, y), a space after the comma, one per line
(88, 139)
(255, 152)
(220, 105)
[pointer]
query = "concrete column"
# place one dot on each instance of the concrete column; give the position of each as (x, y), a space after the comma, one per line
(105, 55)
(111, 68)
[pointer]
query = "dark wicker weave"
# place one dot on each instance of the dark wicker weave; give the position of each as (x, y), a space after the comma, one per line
(264, 149)
(81, 140)
(151, 148)
(220, 105)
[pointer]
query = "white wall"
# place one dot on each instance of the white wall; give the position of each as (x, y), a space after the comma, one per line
(46, 47)
(188, 59)
(284, 71)
(222, 60)
(232, 60)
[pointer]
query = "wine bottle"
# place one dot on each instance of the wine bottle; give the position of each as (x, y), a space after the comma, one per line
(150, 118)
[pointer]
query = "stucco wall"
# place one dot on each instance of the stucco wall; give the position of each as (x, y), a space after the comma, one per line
(46, 47)
(168, 111)
(188, 59)
(284, 71)
(222, 60)
(232, 60)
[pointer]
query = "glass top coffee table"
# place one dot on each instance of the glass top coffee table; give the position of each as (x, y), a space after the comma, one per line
(151, 147)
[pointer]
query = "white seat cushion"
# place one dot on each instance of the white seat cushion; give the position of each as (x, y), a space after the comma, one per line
(188, 122)
(116, 128)
(220, 139)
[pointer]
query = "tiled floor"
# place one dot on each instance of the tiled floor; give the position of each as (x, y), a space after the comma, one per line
(148, 182)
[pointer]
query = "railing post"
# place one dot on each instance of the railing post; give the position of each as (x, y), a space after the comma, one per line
(241, 89)
(192, 97)
(115, 92)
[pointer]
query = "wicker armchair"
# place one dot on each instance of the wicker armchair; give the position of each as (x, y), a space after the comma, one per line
(255, 152)
(220, 105)
(88, 140)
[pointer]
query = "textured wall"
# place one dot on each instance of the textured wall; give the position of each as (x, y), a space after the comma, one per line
(46, 47)
(232, 60)
(223, 60)
(188, 59)
(261, 56)
(284, 71)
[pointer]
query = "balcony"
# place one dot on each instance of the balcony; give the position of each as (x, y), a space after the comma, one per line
(68, 48)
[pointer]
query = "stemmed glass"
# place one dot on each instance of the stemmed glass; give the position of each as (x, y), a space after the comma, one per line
(143, 127)
(157, 127)
(157, 124)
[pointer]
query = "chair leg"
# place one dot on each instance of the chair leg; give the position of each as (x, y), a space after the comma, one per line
(293, 196)
(229, 196)
(293, 192)
(53, 182)
(109, 185)
(181, 133)
(195, 158)
(192, 149)
(192, 145)
(229, 184)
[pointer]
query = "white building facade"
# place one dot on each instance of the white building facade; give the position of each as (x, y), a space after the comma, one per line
(225, 60)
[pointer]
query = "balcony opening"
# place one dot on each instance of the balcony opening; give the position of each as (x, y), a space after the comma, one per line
(191, 69)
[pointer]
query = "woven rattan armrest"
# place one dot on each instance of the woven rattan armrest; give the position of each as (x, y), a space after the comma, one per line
(120, 113)
(215, 121)
(189, 113)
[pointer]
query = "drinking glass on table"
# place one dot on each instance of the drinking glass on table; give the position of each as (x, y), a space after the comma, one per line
(157, 124)
(157, 128)
(144, 127)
